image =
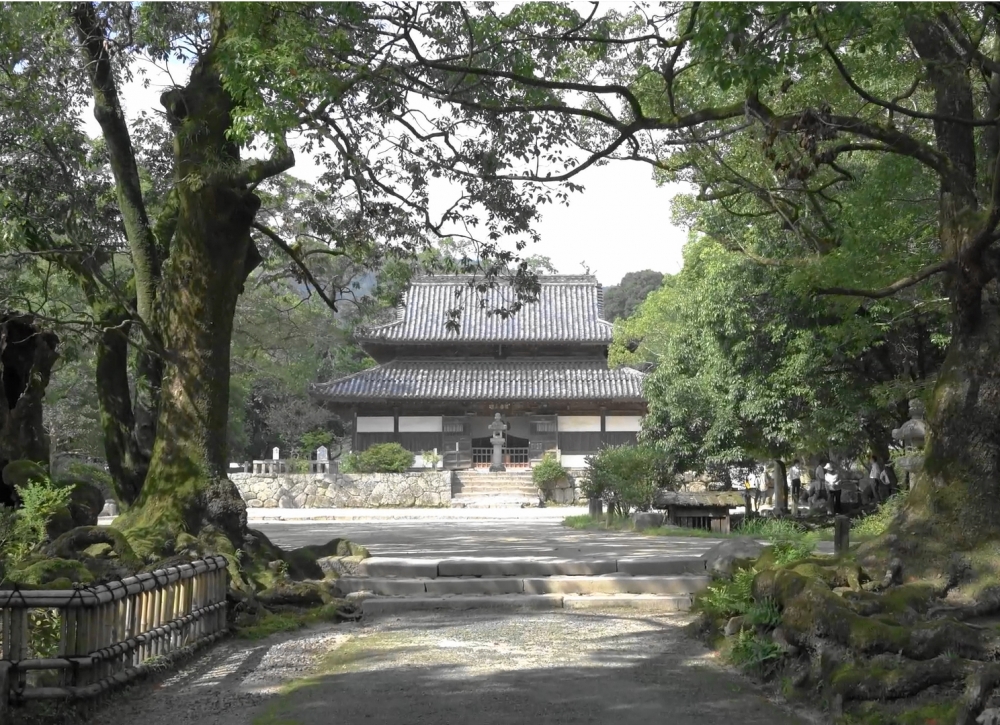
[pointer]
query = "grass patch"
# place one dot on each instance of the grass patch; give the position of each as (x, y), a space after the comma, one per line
(600, 523)
(877, 523)
(339, 660)
(271, 623)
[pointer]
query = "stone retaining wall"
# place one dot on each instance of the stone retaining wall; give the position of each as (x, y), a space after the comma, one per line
(345, 490)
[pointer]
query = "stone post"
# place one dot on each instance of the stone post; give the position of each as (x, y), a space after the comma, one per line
(841, 535)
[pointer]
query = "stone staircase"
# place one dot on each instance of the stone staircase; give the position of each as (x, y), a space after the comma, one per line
(387, 585)
(479, 489)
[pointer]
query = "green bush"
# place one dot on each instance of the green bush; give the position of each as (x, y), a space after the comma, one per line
(430, 458)
(548, 471)
(626, 477)
(380, 458)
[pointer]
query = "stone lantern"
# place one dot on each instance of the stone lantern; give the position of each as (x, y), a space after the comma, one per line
(497, 439)
(913, 434)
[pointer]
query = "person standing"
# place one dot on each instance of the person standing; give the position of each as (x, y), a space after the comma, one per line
(876, 473)
(831, 477)
(795, 480)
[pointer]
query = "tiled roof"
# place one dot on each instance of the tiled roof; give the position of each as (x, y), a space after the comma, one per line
(568, 309)
(494, 380)
(666, 498)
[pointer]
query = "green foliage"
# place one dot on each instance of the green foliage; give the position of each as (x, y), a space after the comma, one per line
(763, 613)
(431, 458)
(349, 463)
(22, 530)
(877, 523)
(626, 477)
(771, 529)
(587, 522)
(729, 597)
(548, 471)
(380, 458)
(313, 439)
(622, 299)
(754, 652)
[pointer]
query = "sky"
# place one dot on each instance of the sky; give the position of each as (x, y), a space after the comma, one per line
(620, 223)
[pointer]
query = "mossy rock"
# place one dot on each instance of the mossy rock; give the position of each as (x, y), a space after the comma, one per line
(50, 572)
(99, 551)
(85, 502)
(295, 594)
(59, 523)
(22, 472)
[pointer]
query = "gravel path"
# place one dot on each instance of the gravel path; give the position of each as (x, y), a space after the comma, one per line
(459, 668)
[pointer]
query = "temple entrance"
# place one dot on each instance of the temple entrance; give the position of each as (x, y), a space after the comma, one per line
(515, 452)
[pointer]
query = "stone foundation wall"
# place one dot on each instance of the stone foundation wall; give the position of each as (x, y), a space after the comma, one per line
(345, 490)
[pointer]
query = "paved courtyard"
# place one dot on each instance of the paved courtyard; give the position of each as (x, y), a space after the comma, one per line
(432, 537)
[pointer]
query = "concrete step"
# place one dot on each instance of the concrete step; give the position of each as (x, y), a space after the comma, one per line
(527, 567)
(373, 606)
(493, 501)
(615, 584)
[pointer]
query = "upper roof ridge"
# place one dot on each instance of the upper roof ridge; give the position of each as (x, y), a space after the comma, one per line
(568, 309)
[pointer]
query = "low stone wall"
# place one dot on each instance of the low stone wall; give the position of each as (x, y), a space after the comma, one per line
(345, 490)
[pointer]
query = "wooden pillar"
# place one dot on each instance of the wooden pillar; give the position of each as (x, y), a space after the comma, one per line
(354, 433)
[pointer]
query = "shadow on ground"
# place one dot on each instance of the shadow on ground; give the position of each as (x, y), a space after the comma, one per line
(527, 668)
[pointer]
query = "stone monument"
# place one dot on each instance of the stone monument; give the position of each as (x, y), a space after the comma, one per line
(497, 439)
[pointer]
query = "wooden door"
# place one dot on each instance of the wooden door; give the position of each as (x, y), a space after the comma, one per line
(544, 435)
(456, 442)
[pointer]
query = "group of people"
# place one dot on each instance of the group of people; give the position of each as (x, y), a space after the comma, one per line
(826, 485)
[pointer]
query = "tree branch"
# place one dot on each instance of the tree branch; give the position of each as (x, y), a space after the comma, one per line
(900, 284)
(114, 128)
(287, 249)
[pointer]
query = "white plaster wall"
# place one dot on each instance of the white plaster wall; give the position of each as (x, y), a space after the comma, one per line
(574, 461)
(629, 423)
(375, 424)
(579, 423)
(420, 423)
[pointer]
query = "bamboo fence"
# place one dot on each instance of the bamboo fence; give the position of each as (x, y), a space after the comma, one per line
(108, 633)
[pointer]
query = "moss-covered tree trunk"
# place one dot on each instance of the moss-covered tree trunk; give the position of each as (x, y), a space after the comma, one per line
(211, 253)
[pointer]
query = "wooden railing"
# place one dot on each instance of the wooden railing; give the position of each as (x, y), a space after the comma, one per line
(512, 457)
(76, 643)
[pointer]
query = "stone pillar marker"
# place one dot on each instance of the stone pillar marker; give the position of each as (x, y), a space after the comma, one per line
(497, 439)
(322, 454)
(841, 535)
(274, 454)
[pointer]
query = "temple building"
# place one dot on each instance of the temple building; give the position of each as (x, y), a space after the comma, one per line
(543, 369)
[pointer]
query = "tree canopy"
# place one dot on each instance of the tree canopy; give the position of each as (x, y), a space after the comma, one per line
(622, 299)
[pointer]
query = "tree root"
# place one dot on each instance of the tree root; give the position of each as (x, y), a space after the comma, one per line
(978, 689)
(889, 678)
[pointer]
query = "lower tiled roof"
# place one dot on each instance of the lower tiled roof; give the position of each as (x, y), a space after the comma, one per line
(493, 380)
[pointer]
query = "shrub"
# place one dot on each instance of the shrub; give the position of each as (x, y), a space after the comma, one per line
(626, 477)
(380, 458)
(431, 458)
(548, 471)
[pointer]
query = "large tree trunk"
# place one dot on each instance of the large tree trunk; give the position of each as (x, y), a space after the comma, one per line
(26, 359)
(211, 253)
